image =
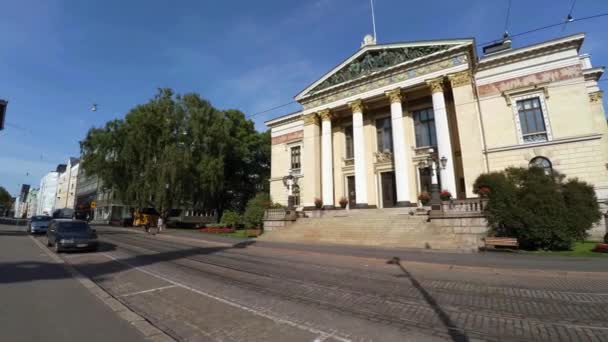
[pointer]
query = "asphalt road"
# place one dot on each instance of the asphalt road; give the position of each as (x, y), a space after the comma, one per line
(239, 290)
(40, 301)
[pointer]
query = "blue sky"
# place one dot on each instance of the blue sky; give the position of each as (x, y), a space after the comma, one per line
(58, 57)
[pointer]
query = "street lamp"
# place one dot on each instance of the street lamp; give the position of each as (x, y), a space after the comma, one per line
(434, 162)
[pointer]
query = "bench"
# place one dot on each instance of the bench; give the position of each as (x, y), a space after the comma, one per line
(501, 241)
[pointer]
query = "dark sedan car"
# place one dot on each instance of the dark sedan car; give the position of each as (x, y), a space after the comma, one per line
(38, 224)
(66, 235)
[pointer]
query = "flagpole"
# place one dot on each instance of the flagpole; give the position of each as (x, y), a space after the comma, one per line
(373, 21)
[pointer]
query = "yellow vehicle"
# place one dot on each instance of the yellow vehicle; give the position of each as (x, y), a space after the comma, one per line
(147, 217)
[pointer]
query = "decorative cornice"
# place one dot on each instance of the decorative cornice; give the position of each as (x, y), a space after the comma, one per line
(356, 106)
(596, 96)
(545, 143)
(436, 85)
(310, 119)
(460, 79)
(394, 95)
(325, 115)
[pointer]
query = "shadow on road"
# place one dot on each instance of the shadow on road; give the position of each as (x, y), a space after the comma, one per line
(14, 272)
(455, 332)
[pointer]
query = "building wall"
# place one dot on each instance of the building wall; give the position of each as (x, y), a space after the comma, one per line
(577, 145)
(47, 193)
(66, 187)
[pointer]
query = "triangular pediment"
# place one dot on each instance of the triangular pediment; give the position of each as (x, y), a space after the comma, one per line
(376, 58)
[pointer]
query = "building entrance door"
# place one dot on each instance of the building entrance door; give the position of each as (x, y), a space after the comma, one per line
(389, 194)
(352, 194)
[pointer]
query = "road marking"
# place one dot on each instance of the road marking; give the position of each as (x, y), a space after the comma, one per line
(147, 291)
(275, 319)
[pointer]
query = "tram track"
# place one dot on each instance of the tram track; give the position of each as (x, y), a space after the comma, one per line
(405, 311)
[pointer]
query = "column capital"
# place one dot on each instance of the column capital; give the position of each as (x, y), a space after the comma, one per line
(460, 79)
(310, 119)
(325, 115)
(394, 95)
(596, 96)
(356, 106)
(436, 84)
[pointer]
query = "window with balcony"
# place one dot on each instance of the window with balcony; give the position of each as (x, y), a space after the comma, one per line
(384, 134)
(424, 125)
(531, 120)
(348, 142)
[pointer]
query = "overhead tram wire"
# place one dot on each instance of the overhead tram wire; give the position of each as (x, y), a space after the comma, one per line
(476, 45)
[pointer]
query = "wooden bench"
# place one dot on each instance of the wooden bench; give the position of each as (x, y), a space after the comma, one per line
(501, 241)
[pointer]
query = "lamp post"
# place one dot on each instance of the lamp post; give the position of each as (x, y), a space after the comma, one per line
(433, 162)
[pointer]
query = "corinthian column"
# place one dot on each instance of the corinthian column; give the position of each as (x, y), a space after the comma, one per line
(400, 149)
(327, 170)
(359, 149)
(444, 145)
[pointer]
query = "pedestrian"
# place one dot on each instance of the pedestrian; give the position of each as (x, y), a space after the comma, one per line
(160, 223)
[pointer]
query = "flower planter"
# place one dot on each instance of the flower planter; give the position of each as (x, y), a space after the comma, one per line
(217, 230)
(601, 248)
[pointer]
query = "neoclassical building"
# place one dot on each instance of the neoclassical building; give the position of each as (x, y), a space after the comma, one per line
(371, 130)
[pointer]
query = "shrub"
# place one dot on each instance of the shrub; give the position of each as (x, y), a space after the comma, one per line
(318, 203)
(343, 202)
(230, 219)
(540, 210)
(606, 238)
(254, 211)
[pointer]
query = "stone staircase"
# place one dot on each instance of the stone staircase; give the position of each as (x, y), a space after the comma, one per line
(393, 227)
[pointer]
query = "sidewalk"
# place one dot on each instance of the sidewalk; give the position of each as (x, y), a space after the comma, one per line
(492, 259)
(41, 301)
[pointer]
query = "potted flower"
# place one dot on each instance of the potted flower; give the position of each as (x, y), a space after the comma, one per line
(445, 195)
(484, 192)
(318, 203)
(424, 198)
(343, 202)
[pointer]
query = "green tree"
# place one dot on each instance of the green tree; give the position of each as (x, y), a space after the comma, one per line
(179, 151)
(6, 200)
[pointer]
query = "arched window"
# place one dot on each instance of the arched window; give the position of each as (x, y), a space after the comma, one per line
(543, 163)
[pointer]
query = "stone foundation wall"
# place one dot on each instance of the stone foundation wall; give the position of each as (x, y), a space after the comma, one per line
(471, 228)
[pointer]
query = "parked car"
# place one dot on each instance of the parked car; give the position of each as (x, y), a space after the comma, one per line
(64, 213)
(38, 224)
(64, 234)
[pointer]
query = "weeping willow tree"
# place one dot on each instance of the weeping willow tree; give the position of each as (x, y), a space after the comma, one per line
(179, 151)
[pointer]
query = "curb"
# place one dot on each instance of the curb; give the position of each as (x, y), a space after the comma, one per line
(147, 329)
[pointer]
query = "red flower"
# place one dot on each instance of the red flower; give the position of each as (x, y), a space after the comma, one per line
(484, 191)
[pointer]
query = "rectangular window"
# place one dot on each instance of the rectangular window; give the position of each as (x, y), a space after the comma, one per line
(531, 120)
(384, 133)
(424, 124)
(295, 158)
(348, 141)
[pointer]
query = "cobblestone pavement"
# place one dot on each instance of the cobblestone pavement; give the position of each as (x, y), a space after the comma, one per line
(196, 290)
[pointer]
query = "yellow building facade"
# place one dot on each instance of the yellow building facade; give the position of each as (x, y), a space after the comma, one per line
(393, 119)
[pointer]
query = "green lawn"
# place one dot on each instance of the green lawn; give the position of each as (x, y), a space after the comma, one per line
(236, 234)
(581, 249)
